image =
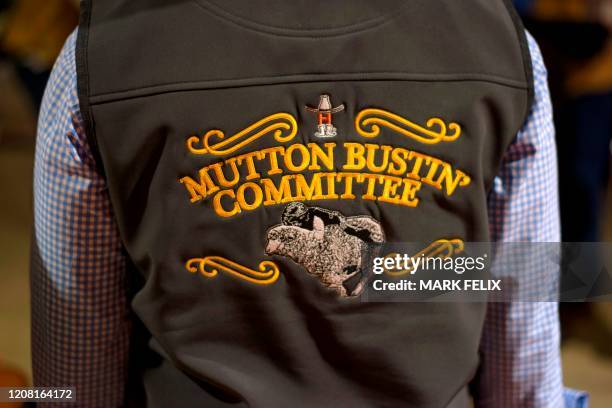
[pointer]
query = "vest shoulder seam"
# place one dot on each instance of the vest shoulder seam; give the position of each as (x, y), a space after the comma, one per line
(186, 86)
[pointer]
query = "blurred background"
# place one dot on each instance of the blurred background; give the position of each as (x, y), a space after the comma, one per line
(575, 38)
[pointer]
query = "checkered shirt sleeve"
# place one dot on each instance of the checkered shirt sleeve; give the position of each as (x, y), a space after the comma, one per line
(520, 350)
(80, 329)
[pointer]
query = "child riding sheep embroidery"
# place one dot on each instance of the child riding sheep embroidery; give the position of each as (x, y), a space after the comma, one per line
(327, 244)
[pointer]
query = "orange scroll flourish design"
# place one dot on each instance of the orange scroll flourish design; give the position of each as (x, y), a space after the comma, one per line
(211, 265)
(283, 126)
(369, 121)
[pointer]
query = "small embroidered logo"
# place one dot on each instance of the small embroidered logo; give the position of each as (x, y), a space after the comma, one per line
(324, 113)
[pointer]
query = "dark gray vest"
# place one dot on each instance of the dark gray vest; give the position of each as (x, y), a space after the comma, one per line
(253, 148)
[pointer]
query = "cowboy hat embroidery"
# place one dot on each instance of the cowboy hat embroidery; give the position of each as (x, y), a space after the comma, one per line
(324, 112)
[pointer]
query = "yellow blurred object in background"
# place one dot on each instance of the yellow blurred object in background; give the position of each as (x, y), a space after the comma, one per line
(36, 30)
(577, 10)
(592, 76)
(10, 377)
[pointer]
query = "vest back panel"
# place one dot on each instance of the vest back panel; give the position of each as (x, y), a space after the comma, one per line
(252, 149)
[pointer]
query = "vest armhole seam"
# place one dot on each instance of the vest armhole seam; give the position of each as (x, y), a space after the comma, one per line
(528, 68)
(83, 88)
(526, 54)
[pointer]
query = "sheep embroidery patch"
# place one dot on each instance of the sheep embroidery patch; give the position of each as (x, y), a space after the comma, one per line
(329, 245)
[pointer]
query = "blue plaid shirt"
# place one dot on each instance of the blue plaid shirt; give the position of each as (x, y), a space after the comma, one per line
(80, 316)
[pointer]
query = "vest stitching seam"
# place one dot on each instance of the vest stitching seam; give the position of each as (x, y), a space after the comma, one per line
(318, 33)
(291, 79)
